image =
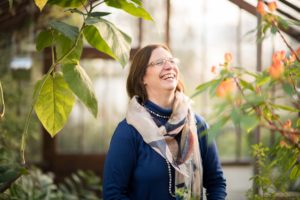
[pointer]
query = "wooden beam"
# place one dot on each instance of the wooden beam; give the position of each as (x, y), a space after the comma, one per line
(252, 10)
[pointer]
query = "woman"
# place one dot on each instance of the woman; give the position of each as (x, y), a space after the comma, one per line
(158, 151)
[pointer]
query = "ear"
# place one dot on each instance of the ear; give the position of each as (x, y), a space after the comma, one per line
(144, 82)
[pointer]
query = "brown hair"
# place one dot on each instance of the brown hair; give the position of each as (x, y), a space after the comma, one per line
(135, 85)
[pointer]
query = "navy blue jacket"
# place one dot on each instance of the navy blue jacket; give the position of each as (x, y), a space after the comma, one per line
(133, 170)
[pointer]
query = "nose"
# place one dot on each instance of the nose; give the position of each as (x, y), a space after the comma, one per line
(168, 64)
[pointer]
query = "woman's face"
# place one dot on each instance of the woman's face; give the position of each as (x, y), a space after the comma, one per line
(161, 74)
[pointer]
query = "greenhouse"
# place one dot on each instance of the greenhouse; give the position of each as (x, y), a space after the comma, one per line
(154, 100)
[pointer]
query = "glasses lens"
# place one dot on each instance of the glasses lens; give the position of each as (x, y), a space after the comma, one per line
(161, 62)
(174, 61)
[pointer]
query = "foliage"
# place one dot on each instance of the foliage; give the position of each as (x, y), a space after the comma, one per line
(11, 126)
(82, 185)
(278, 170)
(54, 94)
(268, 99)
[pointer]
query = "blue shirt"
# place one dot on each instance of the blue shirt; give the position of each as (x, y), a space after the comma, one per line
(133, 170)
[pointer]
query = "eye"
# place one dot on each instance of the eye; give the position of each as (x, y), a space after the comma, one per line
(172, 61)
(160, 62)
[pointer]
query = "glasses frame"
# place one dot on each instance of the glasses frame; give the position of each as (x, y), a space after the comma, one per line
(171, 60)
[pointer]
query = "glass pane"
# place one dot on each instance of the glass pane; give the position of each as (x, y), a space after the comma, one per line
(84, 133)
(155, 31)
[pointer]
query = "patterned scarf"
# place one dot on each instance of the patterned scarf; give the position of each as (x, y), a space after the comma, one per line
(184, 155)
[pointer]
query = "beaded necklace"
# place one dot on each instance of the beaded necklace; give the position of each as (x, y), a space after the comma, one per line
(168, 164)
(170, 179)
(156, 114)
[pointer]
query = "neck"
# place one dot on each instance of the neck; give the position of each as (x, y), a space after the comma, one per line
(164, 100)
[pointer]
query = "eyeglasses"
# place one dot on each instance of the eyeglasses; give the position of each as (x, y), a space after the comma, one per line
(161, 62)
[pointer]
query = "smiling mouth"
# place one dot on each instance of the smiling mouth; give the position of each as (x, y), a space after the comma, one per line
(168, 77)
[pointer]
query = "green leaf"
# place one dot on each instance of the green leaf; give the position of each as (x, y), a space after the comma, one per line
(284, 23)
(203, 87)
(235, 116)
(273, 29)
(249, 122)
(107, 38)
(212, 91)
(295, 173)
(54, 103)
(95, 17)
(67, 3)
(81, 85)
(99, 14)
(298, 123)
(246, 85)
(261, 80)
(216, 128)
(67, 30)
(288, 88)
(133, 7)
(40, 3)
(283, 107)
(44, 39)
(64, 44)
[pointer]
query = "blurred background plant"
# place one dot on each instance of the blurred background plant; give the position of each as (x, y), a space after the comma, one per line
(263, 101)
(83, 185)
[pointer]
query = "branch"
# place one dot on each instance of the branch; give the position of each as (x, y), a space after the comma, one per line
(284, 132)
(286, 43)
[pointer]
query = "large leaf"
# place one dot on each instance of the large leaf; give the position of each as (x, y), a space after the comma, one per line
(67, 30)
(54, 103)
(40, 3)
(81, 85)
(64, 45)
(107, 38)
(133, 7)
(67, 3)
(44, 39)
(203, 87)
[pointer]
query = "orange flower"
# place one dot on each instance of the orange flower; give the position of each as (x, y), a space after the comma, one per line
(298, 51)
(225, 88)
(292, 58)
(276, 70)
(260, 8)
(283, 144)
(278, 56)
(287, 124)
(213, 69)
(272, 6)
(294, 138)
(228, 57)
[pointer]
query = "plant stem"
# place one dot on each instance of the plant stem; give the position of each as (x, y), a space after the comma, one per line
(25, 132)
(2, 111)
(101, 2)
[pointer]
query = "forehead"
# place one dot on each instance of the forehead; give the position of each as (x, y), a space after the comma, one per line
(159, 53)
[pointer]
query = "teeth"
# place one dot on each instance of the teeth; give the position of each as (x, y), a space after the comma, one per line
(167, 76)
